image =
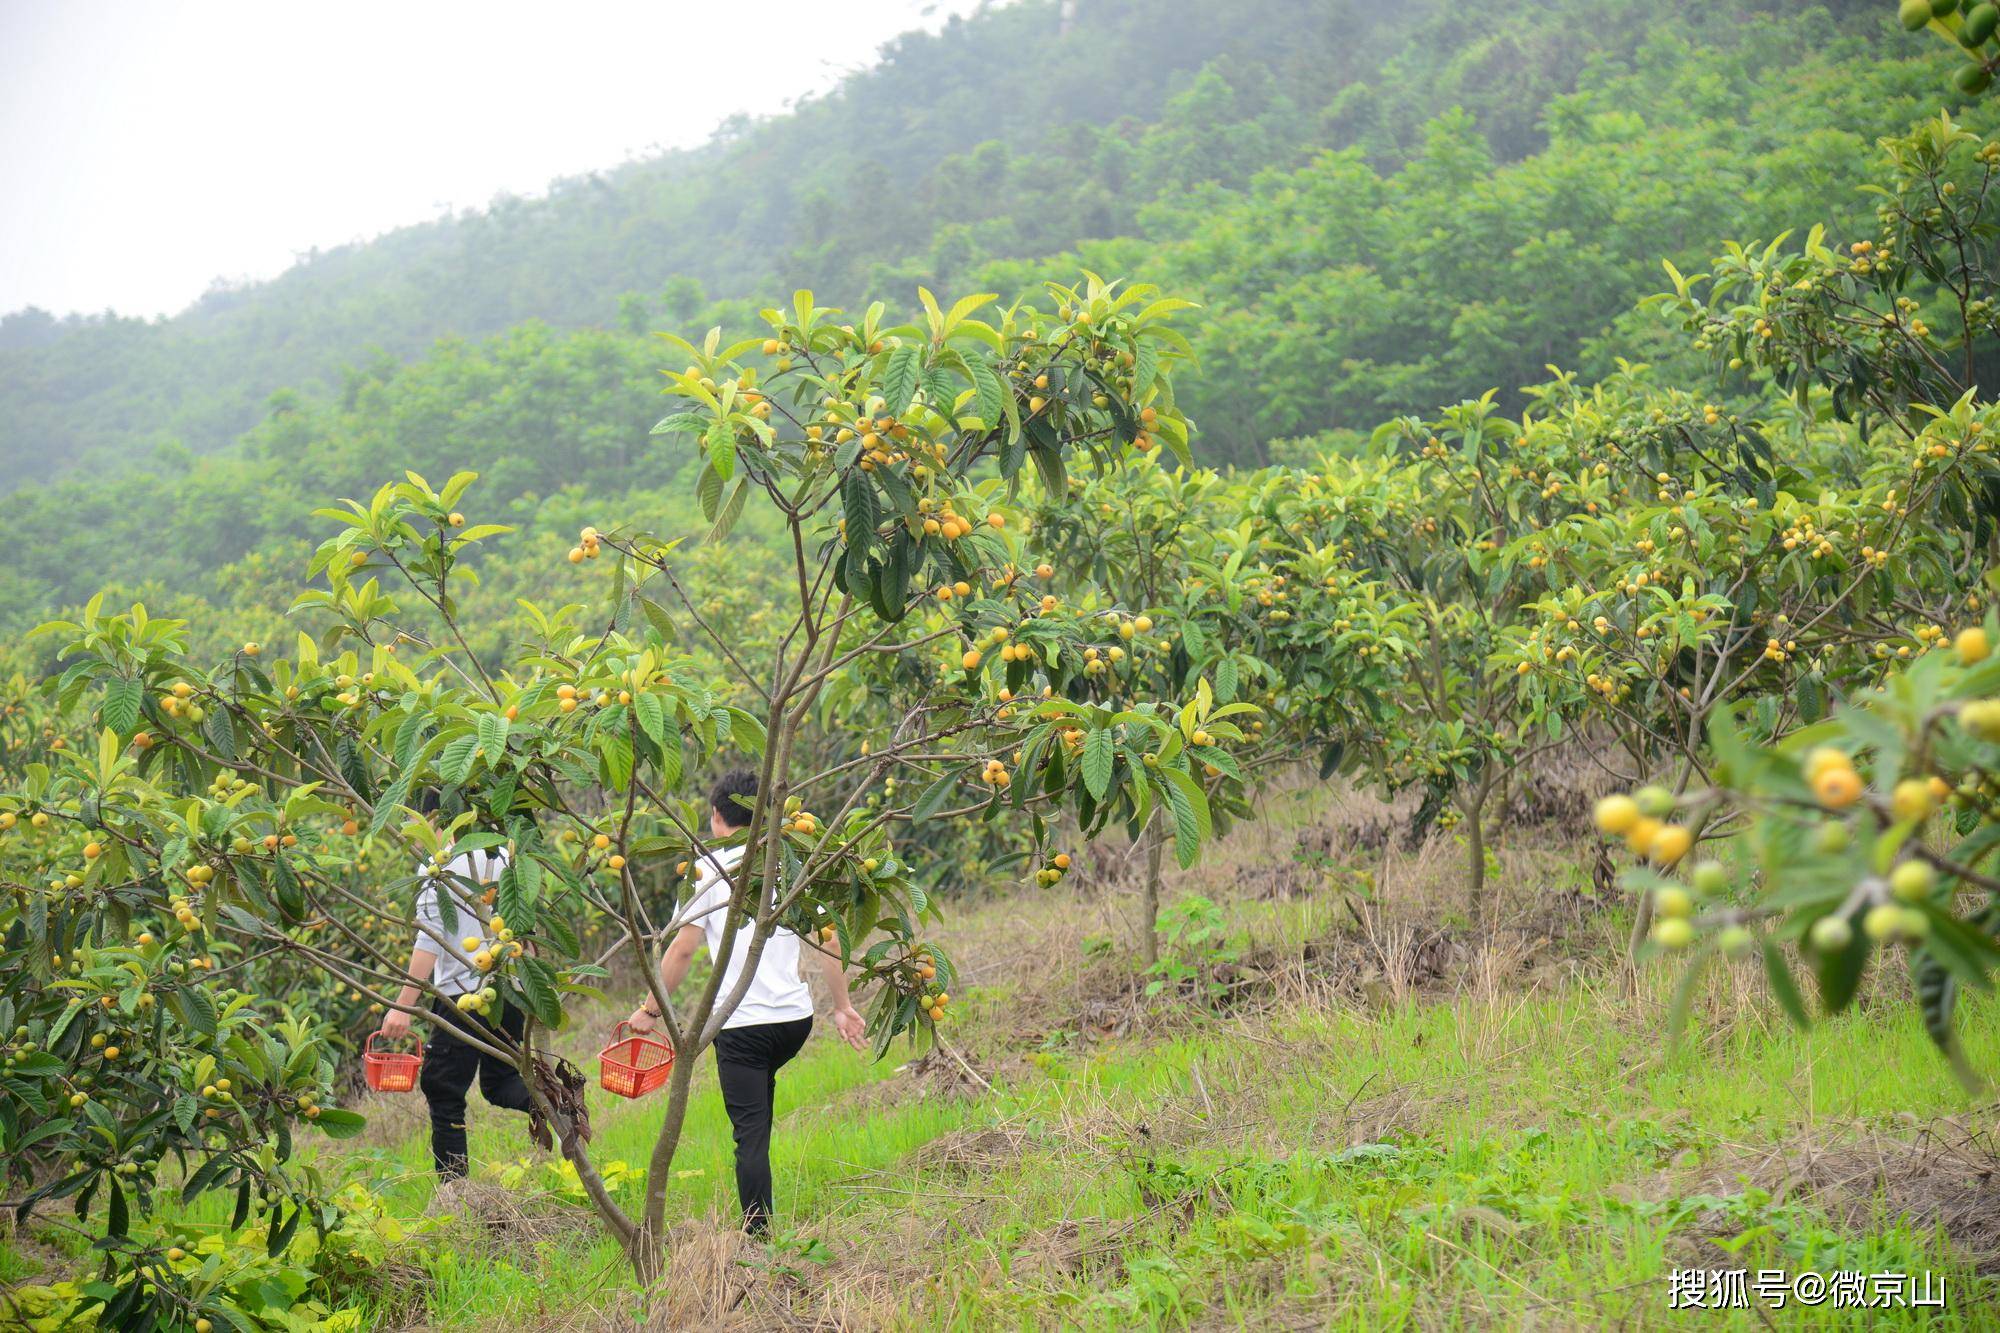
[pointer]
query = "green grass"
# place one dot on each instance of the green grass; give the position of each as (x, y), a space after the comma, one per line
(810, 1149)
(1528, 1160)
(1467, 1161)
(1458, 1163)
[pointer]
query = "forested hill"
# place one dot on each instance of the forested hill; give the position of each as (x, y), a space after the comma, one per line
(1003, 136)
(868, 173)
(1382, 209)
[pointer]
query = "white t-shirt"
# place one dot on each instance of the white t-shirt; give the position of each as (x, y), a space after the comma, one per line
(777, 994)
(455, 975)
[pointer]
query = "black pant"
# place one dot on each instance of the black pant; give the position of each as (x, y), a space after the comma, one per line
(449, 1066)
(747, 1061)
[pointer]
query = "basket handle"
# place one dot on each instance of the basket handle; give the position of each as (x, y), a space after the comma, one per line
(620, 1030)
(368, 1047)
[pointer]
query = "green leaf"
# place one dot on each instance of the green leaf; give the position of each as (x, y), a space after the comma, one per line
(1783, 987)
(1329, 760)
(1937, 998)
(690, 423)
(1048, 458)
(899, 379)
(336, 1123)
(672, 761)
(933, 799)
(1190, 810)
(1964, 951)
(616, 752)
(69, 1015)
(1839, 973)
(1145, 367)
(732, 510)
(652, 715)
(409, 737)
(514, 897)
(708, 490)
(281, 1237)
(197, 1009)
(722, 449)
(455, 761)
(940, 389)
(390, 803)
(746, 731)
(221, 733)
(657, 617)
(205, 1174)
(1195, 640)
(857, 498)
(541, 989)
(1677, 1012)
(1100, 757)
(493, 736)
(290, 893)
(1811, 695)
(121, 706)
(988, 392)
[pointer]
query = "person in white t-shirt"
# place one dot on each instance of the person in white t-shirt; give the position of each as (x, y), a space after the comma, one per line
(439, 956)
(771, 1023)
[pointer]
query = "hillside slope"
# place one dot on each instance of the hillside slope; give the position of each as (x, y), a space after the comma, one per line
(1347, 1111)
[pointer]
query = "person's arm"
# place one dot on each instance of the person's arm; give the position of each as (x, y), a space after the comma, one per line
(397, 1021)
(847, 1020)
(674, 964)
(423, 963)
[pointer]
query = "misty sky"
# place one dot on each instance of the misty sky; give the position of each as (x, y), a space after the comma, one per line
(148, 147)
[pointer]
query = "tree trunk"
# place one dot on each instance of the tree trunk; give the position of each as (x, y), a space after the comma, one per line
(1475, 845)
(1642, 926)
(648, 1247)
(1149, 907)
(571, 1142)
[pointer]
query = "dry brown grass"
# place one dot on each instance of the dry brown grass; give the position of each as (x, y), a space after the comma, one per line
(1943, 1174)
(1336, 905)
(484, 1217)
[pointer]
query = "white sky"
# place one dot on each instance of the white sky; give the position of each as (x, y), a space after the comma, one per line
(148, 147)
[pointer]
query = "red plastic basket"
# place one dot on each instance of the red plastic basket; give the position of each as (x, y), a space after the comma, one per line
(390, 1071)
(633, 1064)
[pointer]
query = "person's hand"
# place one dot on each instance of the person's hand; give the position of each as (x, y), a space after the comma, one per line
(395, 1024)
(852, 1027)
(642, 1019)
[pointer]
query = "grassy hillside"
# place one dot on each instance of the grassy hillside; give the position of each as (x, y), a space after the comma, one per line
(1372, 1120)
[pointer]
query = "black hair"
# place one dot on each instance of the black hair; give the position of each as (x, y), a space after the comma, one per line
(732, 796)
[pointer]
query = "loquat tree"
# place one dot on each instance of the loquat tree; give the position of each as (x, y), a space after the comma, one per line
(1157, 540)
